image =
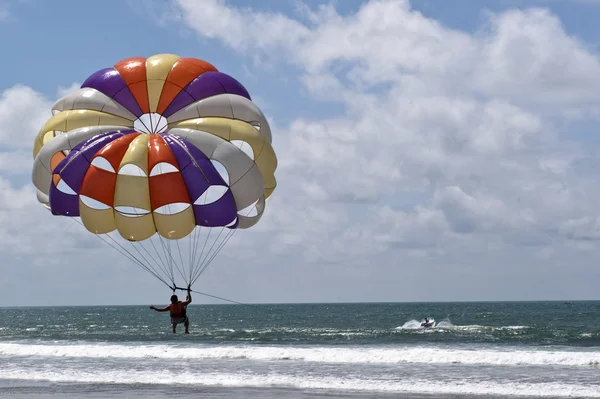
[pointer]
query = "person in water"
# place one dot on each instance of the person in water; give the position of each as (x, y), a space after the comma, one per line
(178, 312)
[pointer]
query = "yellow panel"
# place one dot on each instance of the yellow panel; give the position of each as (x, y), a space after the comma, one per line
(157, 69)
(56, 122)
(244, 131)
(48, 136)
(137, 153)
(132, 191)
(266, 161)
(175, 226)
(268, 192)
(135, 228)
(270, 182)
(154, 91)
(220, 127)
(97, 221)
(114, 120)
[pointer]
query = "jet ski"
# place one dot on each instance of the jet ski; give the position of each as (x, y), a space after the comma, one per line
(428, 323)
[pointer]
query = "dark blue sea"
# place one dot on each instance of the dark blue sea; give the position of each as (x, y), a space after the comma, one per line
(495, 349)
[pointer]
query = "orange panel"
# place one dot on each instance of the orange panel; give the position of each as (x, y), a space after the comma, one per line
(169, 92)
(114, 151)
(140, 92)
(56, 179)
(55, 160)
(99, 184)
(133, 72)
(183, 72)
(159, 151)
(168, 189)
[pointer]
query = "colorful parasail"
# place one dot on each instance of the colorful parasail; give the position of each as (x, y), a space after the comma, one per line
(157, 148)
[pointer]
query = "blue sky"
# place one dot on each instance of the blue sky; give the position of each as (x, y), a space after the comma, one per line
(435, 143)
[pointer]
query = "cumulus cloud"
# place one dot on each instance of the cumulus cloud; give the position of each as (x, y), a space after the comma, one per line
(447, 148)
(463, 125)
(23, 111)
(25, 227)
(4, 14)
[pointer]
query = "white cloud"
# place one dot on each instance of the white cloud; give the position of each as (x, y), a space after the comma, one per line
(25, 226)
(63, 91)
(23, 111)
(465, 125)
(15, 162)
(450, 155)
(4, 13)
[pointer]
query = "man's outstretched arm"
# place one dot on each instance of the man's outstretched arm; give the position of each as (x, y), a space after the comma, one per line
(160, 309)
(188, 299)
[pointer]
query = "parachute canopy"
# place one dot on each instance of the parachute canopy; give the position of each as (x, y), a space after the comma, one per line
(156, 145)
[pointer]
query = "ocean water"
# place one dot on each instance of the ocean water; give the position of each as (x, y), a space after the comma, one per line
(495, 349)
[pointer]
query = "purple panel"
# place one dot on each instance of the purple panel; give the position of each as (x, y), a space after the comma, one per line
(110, 82)
(181, 100)
(107, 81)
(72, 169)
(92, 78)
(126, 99)
(195, 181)
(219, 213)
(198, 176)
(235, 225)
(209, 171)
(230, 85)
(85, 143)
(63, 204)
(101, 140)
(206, 85)
(178, 148)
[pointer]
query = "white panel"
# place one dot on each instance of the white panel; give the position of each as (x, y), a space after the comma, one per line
(114, 108)
(143, 124)
(64, 188)
(212, 194)
(132, 170)
(131, 211)
(172, 209)
(205, 142)
(102, 163)
(222, 170)
(185, 113)
(246, 110)
(245, 147)
(66, 102)
(162, 168)
(247, 222)
(90, 98)
(43, 199)
(161, 124)
(92, 203)
(232, 222)
(235, 161)
(249, 188)
(217, 106)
